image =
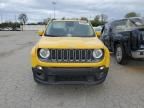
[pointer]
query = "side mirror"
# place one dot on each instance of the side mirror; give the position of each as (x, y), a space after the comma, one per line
(98, 34)
(40, 32)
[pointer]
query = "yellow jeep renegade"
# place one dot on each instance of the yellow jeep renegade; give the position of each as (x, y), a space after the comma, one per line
(69, 53)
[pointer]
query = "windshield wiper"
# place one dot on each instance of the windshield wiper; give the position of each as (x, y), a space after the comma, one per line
(51, 35)
(84, 36)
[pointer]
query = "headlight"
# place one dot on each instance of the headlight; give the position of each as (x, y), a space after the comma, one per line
(97, 53)
(44, 53)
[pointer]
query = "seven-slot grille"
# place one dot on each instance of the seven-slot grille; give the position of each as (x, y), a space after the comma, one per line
(71, 55)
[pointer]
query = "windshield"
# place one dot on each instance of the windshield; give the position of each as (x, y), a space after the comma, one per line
(69, 29)
(137, 22)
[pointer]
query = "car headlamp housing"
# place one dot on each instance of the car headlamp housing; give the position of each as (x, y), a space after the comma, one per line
(98, 53)
(44, 53)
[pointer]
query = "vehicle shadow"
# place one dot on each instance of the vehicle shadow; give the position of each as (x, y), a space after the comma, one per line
(136, 65)
(71, 90)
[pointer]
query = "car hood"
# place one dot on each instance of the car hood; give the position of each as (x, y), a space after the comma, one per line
(70, 42)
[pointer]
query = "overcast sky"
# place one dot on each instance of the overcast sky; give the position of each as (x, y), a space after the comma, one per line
(37, 10)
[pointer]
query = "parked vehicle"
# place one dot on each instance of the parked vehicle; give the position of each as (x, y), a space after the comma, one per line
(125, 38)
(69, 53)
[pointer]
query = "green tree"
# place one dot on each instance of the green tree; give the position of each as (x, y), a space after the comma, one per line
(23, 19)
(83, 18)
(103, 18)
(132, 14)
(99, 20)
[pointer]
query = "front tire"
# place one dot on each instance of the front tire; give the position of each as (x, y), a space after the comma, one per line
(120, 55)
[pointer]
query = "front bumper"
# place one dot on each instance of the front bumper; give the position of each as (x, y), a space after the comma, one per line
(138, 54)
(69, 75)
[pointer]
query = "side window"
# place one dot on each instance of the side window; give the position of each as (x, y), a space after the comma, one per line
(120, 26)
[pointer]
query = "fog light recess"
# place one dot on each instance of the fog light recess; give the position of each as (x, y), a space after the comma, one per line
(40, 68)
(101, 68)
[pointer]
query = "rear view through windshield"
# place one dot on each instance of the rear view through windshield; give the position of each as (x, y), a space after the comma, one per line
(70, 29)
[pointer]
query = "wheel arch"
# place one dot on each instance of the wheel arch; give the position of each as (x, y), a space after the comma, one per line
(115, 44)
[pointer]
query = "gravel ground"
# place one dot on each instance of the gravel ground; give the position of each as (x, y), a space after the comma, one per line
(124, 87)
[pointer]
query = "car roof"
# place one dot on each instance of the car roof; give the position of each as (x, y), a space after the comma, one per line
(110, 22)
(127, 19)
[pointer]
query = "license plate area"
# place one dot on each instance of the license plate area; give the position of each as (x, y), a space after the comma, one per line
(141, 53)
